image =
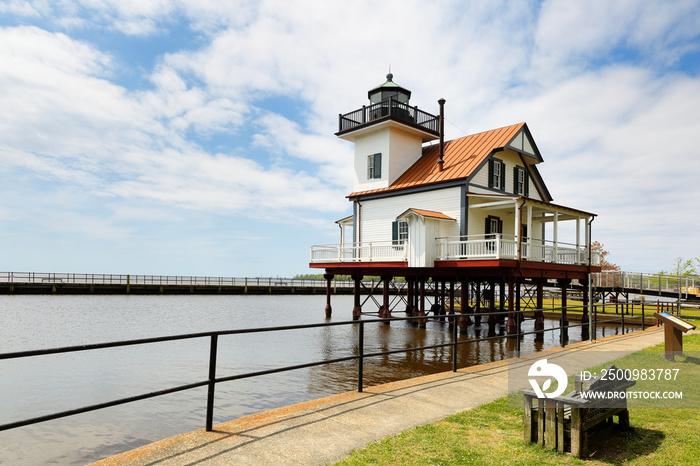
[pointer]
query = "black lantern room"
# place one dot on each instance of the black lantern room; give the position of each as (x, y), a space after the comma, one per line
(389, 90)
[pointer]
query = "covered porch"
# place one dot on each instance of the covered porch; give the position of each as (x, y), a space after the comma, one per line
(500, 227)
(519, 228)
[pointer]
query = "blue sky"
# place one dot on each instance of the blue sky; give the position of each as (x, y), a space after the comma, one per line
(196, 137)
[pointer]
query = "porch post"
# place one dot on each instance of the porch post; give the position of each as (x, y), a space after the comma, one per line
(578, 236)
(555, 239)
(529, 231)
(587, 239)
(517, 224)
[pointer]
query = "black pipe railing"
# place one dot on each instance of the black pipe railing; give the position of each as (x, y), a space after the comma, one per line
(212, 378)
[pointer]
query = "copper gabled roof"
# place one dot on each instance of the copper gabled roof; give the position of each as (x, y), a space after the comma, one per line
(427, 214)
(461, 158)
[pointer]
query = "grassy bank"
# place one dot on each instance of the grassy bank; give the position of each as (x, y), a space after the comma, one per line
(493, 433)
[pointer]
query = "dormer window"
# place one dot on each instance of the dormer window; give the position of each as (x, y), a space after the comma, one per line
(374, 166)
(497, 171)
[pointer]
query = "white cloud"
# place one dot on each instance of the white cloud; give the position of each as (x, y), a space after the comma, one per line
(597, 82)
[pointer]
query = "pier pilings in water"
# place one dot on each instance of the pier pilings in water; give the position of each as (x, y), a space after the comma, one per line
(500, 297)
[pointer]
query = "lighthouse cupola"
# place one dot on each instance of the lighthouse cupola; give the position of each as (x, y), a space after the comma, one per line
(388, 134)
(389, 90)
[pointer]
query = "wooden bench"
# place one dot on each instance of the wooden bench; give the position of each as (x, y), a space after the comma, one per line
(565, 421)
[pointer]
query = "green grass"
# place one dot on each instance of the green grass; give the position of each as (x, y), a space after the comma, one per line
(493, 433)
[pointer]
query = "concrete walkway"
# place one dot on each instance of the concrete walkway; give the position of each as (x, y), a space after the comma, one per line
(327, 430)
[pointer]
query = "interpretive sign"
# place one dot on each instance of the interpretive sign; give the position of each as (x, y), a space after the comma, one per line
(674, 328)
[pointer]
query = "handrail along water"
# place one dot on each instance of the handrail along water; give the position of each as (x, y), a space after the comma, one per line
(212, 379)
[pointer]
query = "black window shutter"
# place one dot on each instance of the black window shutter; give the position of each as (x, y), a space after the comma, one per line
(527, 184)
(487, 226)
(516, 170)
(500, 226)
(503, 176)
(491, 162)
(395, 231)
(378, 165)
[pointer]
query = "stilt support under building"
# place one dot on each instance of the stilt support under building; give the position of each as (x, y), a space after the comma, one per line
(539, 314)
(329, 310)
(357, 309)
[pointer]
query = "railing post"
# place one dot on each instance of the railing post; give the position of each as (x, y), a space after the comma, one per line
(212, 382)
(622, 313)
(360, 360)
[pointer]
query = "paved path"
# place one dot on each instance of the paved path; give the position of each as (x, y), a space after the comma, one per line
(328, 429)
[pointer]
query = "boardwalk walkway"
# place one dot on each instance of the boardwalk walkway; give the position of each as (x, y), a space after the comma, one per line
(682, 288)
(328, 429)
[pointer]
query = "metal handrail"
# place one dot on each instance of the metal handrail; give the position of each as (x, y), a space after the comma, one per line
(685, 286)
(212, 379)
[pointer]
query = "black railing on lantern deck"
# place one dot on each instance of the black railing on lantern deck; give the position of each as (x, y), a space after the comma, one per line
(390, 108)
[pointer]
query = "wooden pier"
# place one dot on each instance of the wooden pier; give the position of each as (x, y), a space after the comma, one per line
(77, 283)
(68, 283)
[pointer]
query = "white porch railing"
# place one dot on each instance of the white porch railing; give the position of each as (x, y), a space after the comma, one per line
(495, 246)
(379, 251)
(458, 248)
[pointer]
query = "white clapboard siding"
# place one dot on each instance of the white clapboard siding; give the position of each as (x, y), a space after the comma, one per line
(377, 215)
(511, 159)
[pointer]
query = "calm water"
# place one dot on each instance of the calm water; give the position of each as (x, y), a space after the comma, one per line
(42, 385)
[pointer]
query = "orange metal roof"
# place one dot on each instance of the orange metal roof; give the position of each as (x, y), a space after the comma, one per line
(461, 157)
(429, 214)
